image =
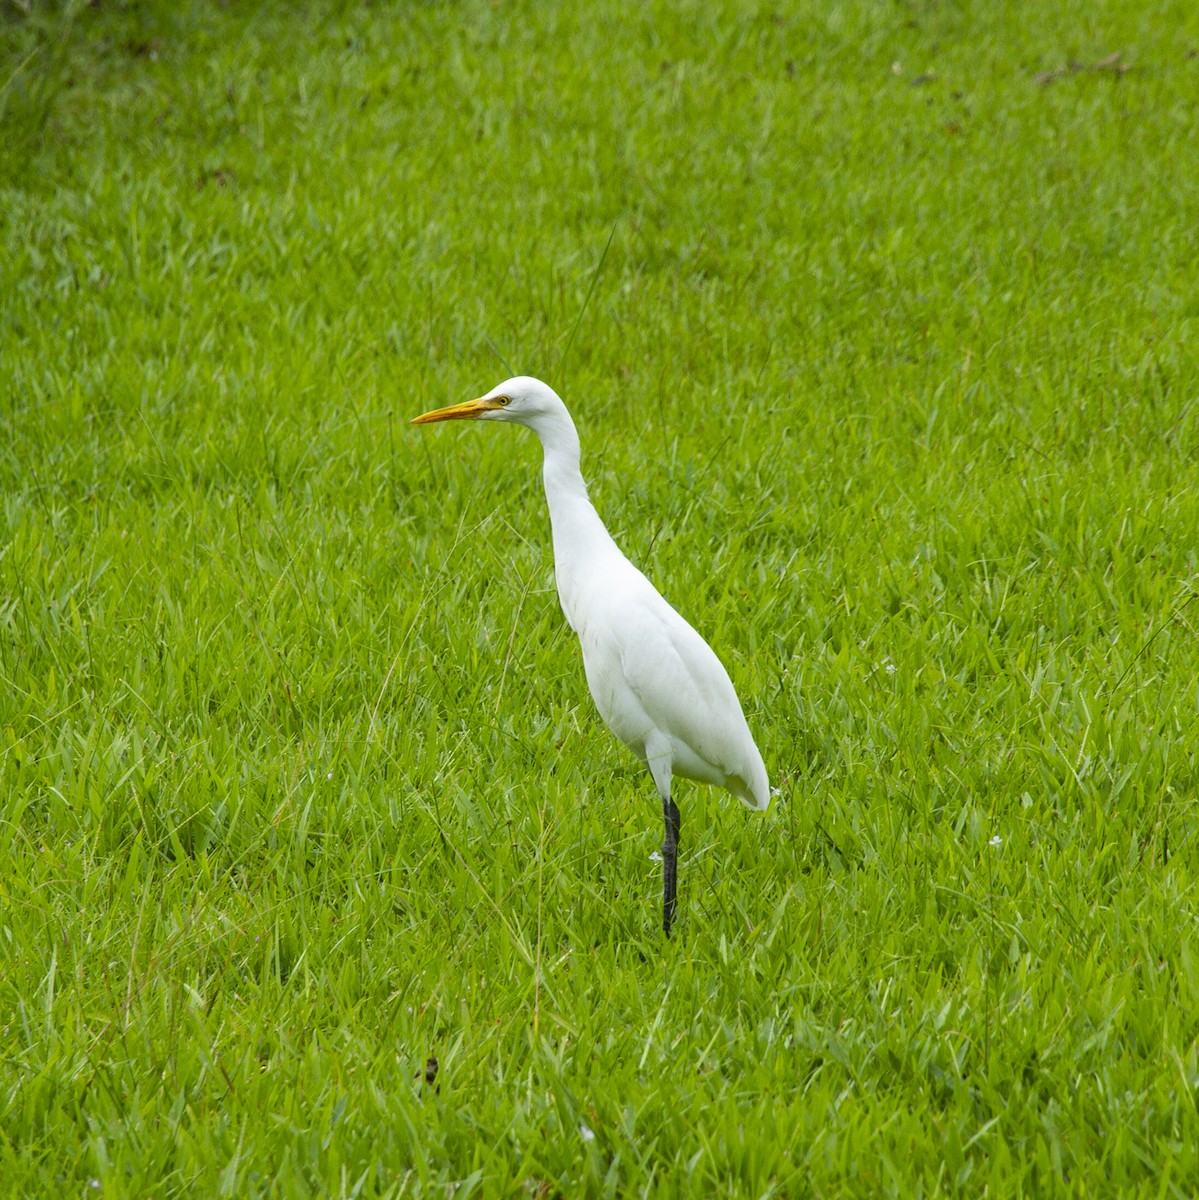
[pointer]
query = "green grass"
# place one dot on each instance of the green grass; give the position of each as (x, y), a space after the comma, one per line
(888, 379)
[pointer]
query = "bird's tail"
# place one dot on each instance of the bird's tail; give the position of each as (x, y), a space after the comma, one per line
(752, 787)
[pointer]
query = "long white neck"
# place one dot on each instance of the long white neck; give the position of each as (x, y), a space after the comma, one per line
(581, 543)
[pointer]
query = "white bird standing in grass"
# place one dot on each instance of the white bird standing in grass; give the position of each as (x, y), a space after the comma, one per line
(656, 682)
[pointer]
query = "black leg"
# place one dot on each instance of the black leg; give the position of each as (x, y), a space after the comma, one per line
(670, 847)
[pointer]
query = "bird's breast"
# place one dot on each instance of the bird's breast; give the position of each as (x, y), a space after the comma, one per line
(615, 700)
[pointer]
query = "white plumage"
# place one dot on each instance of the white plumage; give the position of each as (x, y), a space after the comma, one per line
(657, 684)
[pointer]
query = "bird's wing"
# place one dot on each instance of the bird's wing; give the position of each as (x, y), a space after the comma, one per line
(682, 686)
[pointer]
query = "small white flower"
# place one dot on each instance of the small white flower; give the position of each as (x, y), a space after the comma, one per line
(995, 841)
(329, 776)
(655, 856)
(588, 1135)
(890, 668)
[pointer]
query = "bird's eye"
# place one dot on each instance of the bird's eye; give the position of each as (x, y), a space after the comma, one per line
(503, 401)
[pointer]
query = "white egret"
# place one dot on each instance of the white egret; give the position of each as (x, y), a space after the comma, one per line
(656, 682)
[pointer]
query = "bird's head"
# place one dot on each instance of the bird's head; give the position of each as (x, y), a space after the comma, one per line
(523, 400)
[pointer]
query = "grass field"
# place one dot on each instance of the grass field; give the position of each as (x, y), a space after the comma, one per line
(879, 323)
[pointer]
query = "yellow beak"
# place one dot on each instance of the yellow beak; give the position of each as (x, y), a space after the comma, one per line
(458, 412)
